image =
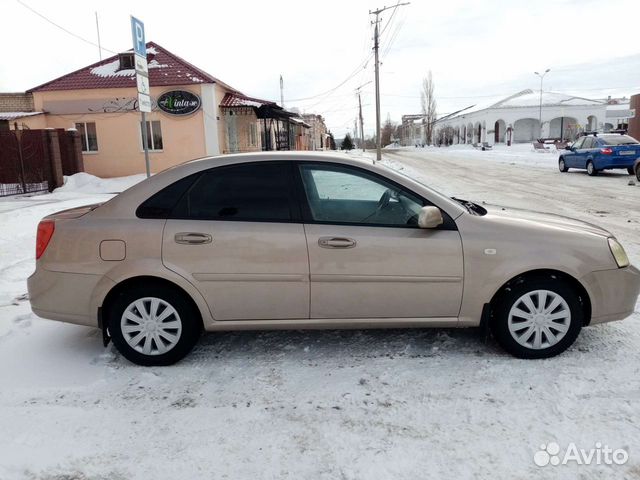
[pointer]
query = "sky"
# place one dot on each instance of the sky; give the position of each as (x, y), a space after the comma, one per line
(476, 50)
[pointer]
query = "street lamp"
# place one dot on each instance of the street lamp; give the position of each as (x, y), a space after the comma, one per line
(540, 112)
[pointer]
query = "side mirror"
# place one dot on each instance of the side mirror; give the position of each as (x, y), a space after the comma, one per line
(568, 147)
(430, 217)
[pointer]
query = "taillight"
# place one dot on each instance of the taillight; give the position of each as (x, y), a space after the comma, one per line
(606, 151)
(45, 232)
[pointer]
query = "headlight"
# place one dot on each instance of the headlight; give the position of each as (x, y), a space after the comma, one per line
(618, 253)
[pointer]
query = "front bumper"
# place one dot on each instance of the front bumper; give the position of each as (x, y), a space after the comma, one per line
(613, 293)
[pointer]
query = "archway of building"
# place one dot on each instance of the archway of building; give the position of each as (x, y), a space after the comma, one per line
(477, 133)
(592, 123)
(470, 133)
(463, 134)
(526, 130)
(499, 130)
(562, 127)
(607, 127)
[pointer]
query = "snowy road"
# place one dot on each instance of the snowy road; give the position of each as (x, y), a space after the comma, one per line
(387, 404)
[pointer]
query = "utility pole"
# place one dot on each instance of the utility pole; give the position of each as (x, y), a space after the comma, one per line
(376, 47)
(281, 92)
(361, 127)
(98, 30)
(541, 75)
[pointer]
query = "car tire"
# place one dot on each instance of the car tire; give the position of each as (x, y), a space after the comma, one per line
(638, 172)
(153, 324)
(562, 166)
(528, 328)
(591, 169)
(630, 171)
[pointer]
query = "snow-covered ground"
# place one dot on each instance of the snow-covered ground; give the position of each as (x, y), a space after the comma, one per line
(401, 404)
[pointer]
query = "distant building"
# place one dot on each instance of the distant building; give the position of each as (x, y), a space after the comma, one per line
(319, 135)
(411, 131)
(516, 118)
(194, 114)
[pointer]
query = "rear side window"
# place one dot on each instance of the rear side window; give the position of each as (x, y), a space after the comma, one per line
(619, 140)
(162, 203)
(249, 192)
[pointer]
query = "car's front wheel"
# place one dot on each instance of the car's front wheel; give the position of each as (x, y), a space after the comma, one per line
(153, 324)
(562, 166)
(537, 318)
(591, 169)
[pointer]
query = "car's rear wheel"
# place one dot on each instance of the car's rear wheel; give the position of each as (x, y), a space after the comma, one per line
(591, 169)
(562, 166)
(537, 318)
(638, 171)
(153, 324)
(630, 171)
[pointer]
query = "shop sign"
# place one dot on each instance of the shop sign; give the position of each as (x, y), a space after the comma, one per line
(179, 102)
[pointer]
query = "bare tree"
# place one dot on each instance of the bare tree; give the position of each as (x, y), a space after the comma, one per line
(428, 102)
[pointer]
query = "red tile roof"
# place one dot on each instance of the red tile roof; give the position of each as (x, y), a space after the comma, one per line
(238, 100)
(165, 69)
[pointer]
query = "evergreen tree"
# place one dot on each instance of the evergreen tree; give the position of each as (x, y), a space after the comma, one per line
(347, 143)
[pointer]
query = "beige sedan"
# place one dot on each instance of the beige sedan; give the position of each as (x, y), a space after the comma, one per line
(295, 240)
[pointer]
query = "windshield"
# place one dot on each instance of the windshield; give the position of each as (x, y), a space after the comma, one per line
(618, 140)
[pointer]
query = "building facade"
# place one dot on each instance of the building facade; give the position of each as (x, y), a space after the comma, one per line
(194, 114)
(318, 132)
(516, 119)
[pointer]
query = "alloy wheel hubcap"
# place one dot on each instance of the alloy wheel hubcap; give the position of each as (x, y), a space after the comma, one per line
(151, 326)
(539, 319)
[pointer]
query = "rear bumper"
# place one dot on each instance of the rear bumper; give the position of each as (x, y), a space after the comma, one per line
(613, 293)
(616, 162)
(63, 296)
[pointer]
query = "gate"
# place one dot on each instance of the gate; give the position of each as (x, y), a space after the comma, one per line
(23, 162)
(35, 160)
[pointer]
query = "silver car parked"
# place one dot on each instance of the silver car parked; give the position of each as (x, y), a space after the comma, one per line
(306, 240)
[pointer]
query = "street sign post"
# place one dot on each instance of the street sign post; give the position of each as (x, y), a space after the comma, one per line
(142, 81)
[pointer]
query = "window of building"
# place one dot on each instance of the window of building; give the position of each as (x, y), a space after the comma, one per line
(154, 135)
(88, 136)
(252, 192)
(126, 61)
(253, 135)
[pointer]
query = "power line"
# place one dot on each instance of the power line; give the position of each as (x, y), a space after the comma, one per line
(61, 27)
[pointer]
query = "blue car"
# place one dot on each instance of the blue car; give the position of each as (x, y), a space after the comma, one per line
(601, 151)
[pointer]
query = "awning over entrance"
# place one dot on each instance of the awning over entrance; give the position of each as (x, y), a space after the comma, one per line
(262, 108)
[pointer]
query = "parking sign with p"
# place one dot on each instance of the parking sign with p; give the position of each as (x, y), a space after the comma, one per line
(137, 33)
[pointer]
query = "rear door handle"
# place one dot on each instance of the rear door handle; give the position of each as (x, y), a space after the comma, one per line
(336, 242)
(192, 238)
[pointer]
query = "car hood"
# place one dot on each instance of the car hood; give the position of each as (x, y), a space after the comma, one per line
(544, 220)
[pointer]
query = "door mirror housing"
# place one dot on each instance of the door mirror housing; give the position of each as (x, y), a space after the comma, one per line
(430, 217)
(568, 147)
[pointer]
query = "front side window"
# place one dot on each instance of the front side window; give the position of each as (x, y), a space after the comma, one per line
(588, 143)
(88, 136)
(337, 194)
(154, 135)
(578, 143)
(251, 192)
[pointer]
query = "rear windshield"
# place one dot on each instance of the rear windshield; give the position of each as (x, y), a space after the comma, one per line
(618, 140)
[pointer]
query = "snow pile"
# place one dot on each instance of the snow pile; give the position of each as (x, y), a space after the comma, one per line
(86, 183)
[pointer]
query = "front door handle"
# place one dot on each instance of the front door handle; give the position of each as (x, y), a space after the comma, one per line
(192, 238)
(336, 242)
